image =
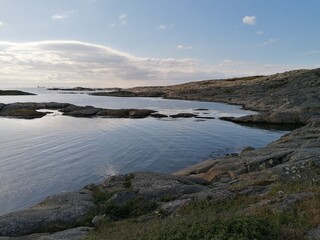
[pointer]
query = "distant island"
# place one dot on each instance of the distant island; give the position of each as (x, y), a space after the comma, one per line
(13, 93)
(84, 89)
(267, 193)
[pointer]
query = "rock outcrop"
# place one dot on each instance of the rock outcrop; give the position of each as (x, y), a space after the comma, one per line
(55, 213)
(28, 110)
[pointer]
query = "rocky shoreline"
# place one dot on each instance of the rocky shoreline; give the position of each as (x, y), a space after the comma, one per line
(272, 192)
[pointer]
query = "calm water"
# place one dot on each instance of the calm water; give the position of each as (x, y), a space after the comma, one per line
(57, 153)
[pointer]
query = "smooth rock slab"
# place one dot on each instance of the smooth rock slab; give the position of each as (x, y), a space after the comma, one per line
(64, 209)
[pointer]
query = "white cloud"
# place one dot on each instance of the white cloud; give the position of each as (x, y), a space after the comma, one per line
(183, 47)
(259, 32)
(72, 63)
(62, 16)
(1, 24)
(58, 17)
(162, 27)
(249, 20)
(268, 42)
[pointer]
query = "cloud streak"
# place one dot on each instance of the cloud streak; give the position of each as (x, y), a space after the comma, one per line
(62, 16)
(268, 42)
(183, 47)
(165, 27)
(73, 63)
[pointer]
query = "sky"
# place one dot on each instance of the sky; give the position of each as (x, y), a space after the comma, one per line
(125, 43)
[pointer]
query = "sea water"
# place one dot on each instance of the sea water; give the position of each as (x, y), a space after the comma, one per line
(56, 153)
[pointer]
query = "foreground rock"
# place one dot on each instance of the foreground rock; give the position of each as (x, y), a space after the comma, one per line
(53, 214)
(156, 191)
(146, 196)
(13, 93)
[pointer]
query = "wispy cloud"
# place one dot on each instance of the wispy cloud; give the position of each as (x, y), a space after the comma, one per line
(165, 26)
(70, 63)
(62, 16)
(183, 47)
(249, 20)
(120, 21)
(123, 19)
(314, 52)
(268, 42)
(259, 32)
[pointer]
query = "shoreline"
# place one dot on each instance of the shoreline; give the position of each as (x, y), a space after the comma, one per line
(292, 159)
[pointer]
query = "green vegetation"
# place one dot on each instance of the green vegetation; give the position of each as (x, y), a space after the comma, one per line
(244, 217)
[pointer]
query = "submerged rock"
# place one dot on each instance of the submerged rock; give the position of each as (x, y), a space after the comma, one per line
(158, 115)
(183, 115)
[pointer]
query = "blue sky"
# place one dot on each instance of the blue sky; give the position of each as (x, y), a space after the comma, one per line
(153, 42)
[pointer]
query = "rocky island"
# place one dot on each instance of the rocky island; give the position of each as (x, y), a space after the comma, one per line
(13, 93)
(267, 193)
(30, 110)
